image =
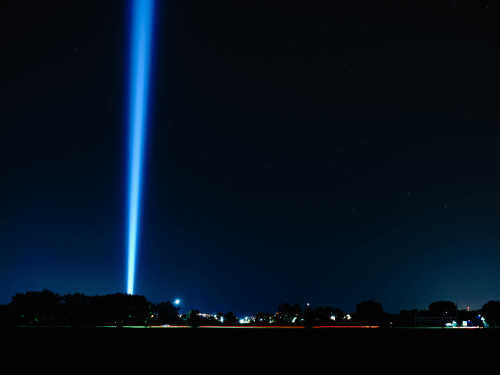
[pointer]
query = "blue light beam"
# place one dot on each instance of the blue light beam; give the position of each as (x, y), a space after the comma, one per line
(141, 13)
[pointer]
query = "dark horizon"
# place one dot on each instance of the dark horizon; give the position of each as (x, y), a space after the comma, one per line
(42, 301)
(184, 310)
(301, 152)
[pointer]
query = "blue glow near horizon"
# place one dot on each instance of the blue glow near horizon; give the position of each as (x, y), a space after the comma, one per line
(140, 56)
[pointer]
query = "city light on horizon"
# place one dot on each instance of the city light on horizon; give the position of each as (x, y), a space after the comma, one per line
(141, 13)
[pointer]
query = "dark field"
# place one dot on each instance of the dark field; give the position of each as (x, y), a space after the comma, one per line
(239, 336)
(254, 350)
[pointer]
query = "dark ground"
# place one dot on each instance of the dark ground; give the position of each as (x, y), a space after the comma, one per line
(236, 350)
(290, 338)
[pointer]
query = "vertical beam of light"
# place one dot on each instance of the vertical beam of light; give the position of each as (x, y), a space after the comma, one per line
(141, 18)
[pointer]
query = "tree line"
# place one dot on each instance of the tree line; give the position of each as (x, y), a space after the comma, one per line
(47, 308)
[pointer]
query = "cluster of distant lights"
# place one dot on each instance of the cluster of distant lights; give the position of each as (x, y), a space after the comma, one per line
(333, 318)
(253, 319)
(466, 323)
(247, 320)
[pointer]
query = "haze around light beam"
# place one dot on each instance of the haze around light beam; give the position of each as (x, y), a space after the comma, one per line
(141, 18)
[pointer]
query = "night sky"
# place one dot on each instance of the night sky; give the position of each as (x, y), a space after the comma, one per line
(298, 151)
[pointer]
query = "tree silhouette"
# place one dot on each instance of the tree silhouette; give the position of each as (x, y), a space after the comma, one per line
(370, 313)
(36, 308)
(443, 308)
(230, 318)
(263, 318)
(289, 314)
(193, 318)
(120, 309)
(166, 313)
(75, 309)
(323, 315)
(491, 312)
